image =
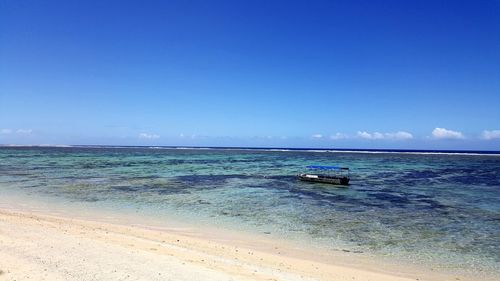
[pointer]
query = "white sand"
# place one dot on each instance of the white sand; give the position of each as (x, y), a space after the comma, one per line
(44, 247)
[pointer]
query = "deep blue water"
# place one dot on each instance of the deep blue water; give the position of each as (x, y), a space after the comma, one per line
(421, 207)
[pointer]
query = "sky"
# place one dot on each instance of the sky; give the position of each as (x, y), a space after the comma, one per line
(338, 74)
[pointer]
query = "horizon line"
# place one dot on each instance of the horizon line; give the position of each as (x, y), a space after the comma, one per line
(309, 149)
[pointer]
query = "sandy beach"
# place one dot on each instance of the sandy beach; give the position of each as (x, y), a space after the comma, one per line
(250, 140)
(45, 247)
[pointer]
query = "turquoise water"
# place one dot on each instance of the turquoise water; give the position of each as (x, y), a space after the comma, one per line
(422, 208)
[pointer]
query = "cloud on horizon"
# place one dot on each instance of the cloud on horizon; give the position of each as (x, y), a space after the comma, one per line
(317, 136)
(24, 131)
(400, 135)
(490, 135)
(339, 136)
(18, 131)
(442, 133)
(147, 136)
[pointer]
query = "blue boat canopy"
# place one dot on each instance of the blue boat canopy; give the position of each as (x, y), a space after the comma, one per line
(315, 167)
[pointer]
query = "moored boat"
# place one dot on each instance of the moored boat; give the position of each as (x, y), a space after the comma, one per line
(326, 174)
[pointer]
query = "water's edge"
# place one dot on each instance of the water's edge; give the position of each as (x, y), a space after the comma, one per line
(432, 210)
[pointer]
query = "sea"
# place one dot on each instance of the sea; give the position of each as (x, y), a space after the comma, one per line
(439, 208)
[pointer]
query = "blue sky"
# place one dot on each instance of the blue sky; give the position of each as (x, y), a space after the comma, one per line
(347, 74)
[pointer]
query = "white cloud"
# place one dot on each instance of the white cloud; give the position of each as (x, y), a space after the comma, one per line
(490, 135)
(193, 136)
(401, 135)
(364, 135)
(370, 136)
(339, 136)
(148, 136)
(317, 136)
(24, 131)
(442, 133)
(5, 131)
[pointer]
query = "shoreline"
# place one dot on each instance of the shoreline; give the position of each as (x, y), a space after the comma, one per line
(30, 235)
(45, 247)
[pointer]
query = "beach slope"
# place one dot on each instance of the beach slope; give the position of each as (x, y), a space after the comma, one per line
(43, 247)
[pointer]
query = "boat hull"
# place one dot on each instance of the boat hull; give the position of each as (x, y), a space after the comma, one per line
(325, 179)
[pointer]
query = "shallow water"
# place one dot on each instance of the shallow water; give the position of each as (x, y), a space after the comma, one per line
(422, 208)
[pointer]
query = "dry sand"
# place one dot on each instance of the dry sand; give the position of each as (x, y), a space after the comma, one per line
(36, 246)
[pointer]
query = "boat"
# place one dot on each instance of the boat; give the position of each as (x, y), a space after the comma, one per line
(326, 174)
